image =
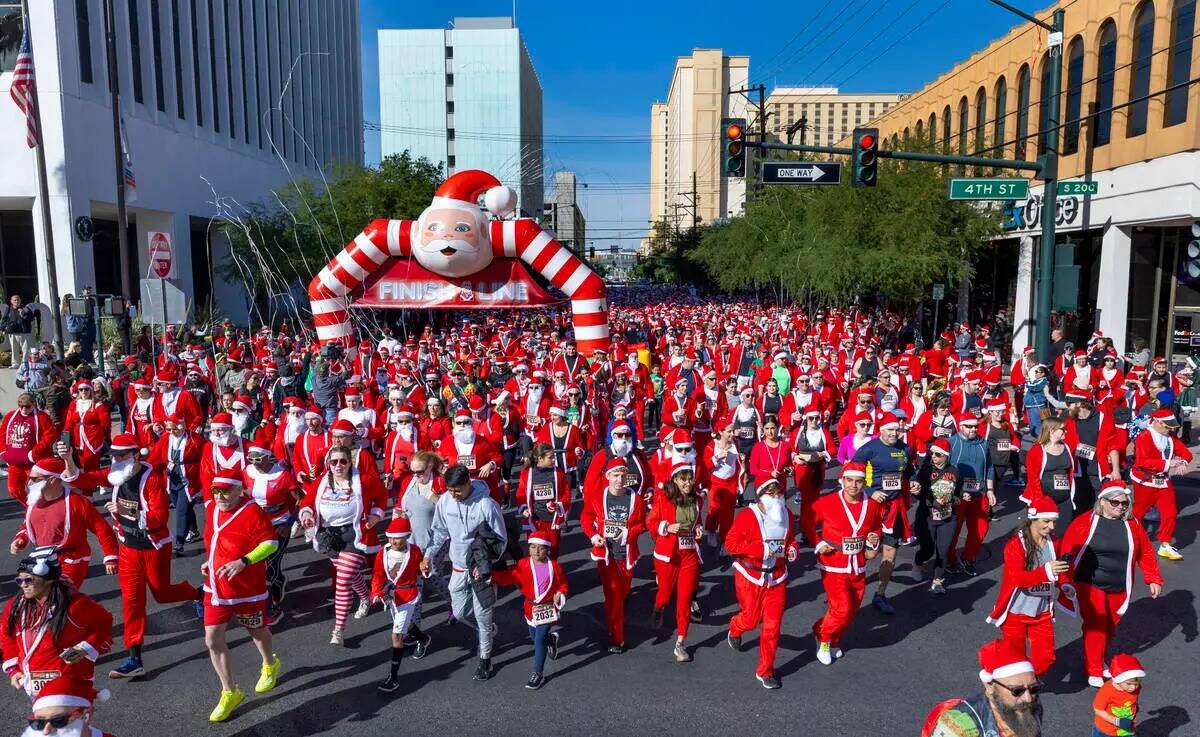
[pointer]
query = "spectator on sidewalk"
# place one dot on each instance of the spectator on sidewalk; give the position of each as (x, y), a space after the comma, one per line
(17, 323)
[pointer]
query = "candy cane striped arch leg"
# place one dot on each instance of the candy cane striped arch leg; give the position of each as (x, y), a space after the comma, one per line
(524, 239)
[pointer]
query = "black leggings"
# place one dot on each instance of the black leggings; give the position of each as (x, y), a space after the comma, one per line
(276, 581)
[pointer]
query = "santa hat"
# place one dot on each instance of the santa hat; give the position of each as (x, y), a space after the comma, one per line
(1002, 659)
(399, 527)
(710, 374)
(996, 405)
(70, 692)
(227, 479)
(679, 467)
(1165, 416)
(262, 441)
(243, 402)
(406, 411)
(621, 425)
(941, 445)
(537, 539)
(973, 377)
(476, 403)
(1042, 507)
(679, 437)
(124, 442)
(167, 374)
(292, 402)
(342, 426)
(461, 191)
(1078, 395)
(813, 413)
(49, 468)
(888, 420)
(681, 380)
(222, 419)
(462, 414)
(614, 464)
(81, 384)
(854, 470)
(747, 390)
(766, 483)
(353, 392)
(1125, 667)
(1113, 488)
(1027, 350)
(140, 383)
(313, 410)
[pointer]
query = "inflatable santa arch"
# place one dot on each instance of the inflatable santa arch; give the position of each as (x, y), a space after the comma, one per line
(454, 238)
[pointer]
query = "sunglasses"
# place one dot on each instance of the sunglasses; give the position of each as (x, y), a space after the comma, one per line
(1118, 502)
(620, 435)
(1019, 691)
(23, 581)
(339, 462)
(222, 492)
(59, 722)
(463, 423)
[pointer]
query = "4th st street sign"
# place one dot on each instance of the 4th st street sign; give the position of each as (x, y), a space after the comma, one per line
(989, 189)
(801, 172)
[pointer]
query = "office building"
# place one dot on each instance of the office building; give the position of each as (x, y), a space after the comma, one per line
(822, 116)
(562, 214)
(467, 97)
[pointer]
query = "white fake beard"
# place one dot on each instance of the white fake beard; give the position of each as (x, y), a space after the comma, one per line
(122, 471)
(83, 405)
(464, 435)
(621, 448)
(240, 420)
(296, 424)
(34, 494)
(775, 508)
(225, 441)
(535, 392)
(405, 431)
(74, 729)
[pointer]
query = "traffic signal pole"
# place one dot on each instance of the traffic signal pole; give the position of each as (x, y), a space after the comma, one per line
(1045, 290)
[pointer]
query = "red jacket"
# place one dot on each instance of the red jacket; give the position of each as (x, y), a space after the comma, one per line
(367, 497)
(88, 626)
(1148, 460)
(401, 579)
(308, 457)
(186, 408)
(1141, 552)
(190, 449)
(1016, 577)
(567, 450)
(397, 451)
(89, 430)
(80, 516)
(671, 547)
(845, 528)
(594, 482)
(24, 451)
(219, 458)
(274, 491)
(754, 555)
(542, 605)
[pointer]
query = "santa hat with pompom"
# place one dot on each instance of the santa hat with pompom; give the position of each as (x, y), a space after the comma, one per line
(68, 691)
(462, 191)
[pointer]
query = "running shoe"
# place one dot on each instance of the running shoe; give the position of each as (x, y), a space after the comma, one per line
(1168, 551)
(968, 567)
(484, 671)
(616, 648)
(824, 654)
(192, 536)
(389, 685)
(274, 617)
(734, 642)
(938, 587)
(225, 706)
(269, 675)
(881, 603)
(422, 647)
(337, 638)
(552, 646)
(681, 654)
(535, 681)
(131, 668)
(768, 682)
(364, 608)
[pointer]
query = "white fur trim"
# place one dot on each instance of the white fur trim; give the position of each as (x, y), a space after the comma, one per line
(1012, 669)
(1122, 677)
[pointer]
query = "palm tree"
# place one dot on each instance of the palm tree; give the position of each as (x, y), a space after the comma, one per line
(11, 30)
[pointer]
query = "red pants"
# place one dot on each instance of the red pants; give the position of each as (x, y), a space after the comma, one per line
(759, 604)
(615, 581)
(701, 440)
(18, 477)
(722, 499)
(545, 530)
(1098, 617)
(137, 569)
(1038, 632)
(1145, 497)
(845, 594)
(681, 580)
(809, 478)
(974, 516)
(75, 572)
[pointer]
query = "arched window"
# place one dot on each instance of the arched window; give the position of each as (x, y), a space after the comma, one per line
(998, 142)
(1105, 78)
(920, 132)
(1139, 71)
(907, 134)
(1022, 111)
(1179, 62)
(1074, 95)
(964, 125)
(1046, 106)
(946, 129)
(932, 129)
(980, 119)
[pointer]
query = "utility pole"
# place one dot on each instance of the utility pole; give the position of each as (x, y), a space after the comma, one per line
(695, 203)
(110, 34)
(800, 125)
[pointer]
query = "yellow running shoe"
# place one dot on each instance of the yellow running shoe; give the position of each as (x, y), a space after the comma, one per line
(229, 701)
(1168, 551)
(269, 675)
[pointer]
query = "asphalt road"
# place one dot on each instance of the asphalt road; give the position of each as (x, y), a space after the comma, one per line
(894, 670)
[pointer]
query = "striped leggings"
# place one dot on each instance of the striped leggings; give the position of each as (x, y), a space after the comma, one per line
(348, 582)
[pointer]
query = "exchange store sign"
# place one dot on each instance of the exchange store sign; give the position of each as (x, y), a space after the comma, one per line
(1029, 215)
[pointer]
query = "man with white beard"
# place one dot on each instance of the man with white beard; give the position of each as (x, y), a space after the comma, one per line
(291, 427)
(140, 511)
(638, 478)
(535, 405)
(362, 417)
(224, 452)
(475, 452)
(240, 417)
(64, 708)
(173, 400)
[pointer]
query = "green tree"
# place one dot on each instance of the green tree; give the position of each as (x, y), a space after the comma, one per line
(840, 242)
(672, 257)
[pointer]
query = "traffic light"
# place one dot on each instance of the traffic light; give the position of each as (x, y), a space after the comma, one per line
(866, 156)
(733, 147)
(1189, 269)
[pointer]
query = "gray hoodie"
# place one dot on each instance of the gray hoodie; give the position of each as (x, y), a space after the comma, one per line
(456, 521)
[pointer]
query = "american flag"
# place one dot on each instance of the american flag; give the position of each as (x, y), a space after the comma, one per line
(24, 88)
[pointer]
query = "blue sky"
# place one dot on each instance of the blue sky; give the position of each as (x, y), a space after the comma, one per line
(601, 64)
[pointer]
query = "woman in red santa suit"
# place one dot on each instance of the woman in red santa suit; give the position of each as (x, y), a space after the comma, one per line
(308, 455)
(403, 441)
(177, 454)
(273, 488)
(1104, 546)
(613, 517)
(473, 451)
(565, 440)
(435, 425)
(544, 586)
(722, 473)
(762, 542)
(343, 513)
(141, 414)
(1157, 455)
(26, 434)
(812, 450)
(675, 522)
(395, 583)
(170, 399)
(771, 457)
(89, 423)
(57, 516)
(50, 628)
(1033, 574)
(224, 452)
(850, 526)
(544, 496)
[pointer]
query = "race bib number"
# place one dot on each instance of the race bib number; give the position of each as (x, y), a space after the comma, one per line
(940, 514)
(774, 547)
(613, 529)
(629, 480)
(971, 486)
(250, 621)
(941, 432)
(1085, 451)
(544, 614)
(127, 508)
(745, 432)
(1157, 482)
(890, 482)
(38, 680)
(1062, 482)
(853, 545)
(687, 541)
(543, 492)
(1005, 446)
(468, 461)
(1044, 590)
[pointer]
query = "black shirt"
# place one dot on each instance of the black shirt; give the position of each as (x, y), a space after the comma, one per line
(1104, 560)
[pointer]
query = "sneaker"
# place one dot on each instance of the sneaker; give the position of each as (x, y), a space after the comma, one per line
(552, 646)
(228, 702)
(697, 611)
(656, 619)
(484, 671)
(364, 608)
(734, 642)
(938, 587)
(274, 617)
(179, 551)
(881, 603)
(535, 681)
(954, 569)
(918, 573)
(681, 654)
(1106, 673)
(337, 638)
(768, 682)
(825, 654)
(422, 647)
(192, 536)
(616, 648)
(837, 652)
(269, 675)
(389, 685)
(712, 540)
(131, 668)
(1168, 551)
(908, 542)
(968, 568)
(1095, 681)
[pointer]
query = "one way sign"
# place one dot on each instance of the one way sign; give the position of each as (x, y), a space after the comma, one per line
(801, 172)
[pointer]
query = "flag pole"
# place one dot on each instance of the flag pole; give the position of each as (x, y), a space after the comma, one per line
(110, 37)
(44, 202)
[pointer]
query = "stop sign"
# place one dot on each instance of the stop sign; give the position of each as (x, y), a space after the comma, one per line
(161, 255)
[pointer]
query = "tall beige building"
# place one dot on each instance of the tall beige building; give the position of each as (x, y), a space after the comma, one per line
(685, 140)
(831, 115)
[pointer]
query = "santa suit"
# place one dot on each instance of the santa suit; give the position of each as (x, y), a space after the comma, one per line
(229, 536)
(308, 458)
(542, 603)
(568, 448)
(1101, 610)
(89, 428)
(32, 649)
(217, 458)
(178, 457)
(286, 436)
(676, 558)
(142, 414)
(1038, 584)
(720, 471)
(25, 438)
(796, 403)
(144, 557)
(761, 548)
(181, 404)
(398, 449)
(640, 478)
(620, 532)
(844, 527)
(64, 523)
(1152, 484)
(394, 581)
(438, 430)
(930, 427)
(810, 475)
(475, 455)
(545, 499)
(364, 420)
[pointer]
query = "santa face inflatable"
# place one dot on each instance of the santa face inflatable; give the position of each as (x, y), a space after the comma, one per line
(451, 242)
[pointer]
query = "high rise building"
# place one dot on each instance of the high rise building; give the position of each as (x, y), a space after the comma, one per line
(222, 102)
(825, 115)
(563, 215)
(467, 97)
(686, 185)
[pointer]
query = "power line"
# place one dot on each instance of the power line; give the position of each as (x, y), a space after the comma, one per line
(805, 27)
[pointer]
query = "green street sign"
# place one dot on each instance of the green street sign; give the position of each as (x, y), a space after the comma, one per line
(989, 189)
(1078, 187)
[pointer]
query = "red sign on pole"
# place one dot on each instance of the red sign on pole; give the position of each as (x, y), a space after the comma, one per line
(162, 257)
